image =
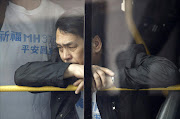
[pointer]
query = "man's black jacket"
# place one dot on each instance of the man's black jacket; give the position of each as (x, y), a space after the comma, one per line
(136, 70)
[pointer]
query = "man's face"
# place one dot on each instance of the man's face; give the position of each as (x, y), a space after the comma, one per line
(71, 47)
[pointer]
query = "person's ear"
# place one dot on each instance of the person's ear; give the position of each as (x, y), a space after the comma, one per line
(96, 44)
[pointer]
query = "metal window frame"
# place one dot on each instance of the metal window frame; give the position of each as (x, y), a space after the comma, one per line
(87, 61)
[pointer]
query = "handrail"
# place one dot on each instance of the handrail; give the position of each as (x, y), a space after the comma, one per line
(131, 25)
(15, 88)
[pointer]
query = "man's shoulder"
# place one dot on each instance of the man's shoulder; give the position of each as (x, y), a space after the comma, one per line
(130, 56)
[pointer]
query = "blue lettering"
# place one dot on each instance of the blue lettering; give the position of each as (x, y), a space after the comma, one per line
(80, 103)
(36, 38)
(25, 48)
(44, 39)
(43, 50)
(18, 36)
(4, 36)
(34, 49)
(97, 116)
(15, 36)
(29, 37)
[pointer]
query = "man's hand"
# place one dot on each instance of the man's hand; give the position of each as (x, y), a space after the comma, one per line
(80, 84)
(102, 77)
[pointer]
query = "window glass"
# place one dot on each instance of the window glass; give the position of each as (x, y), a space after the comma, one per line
(139, 44)
(134, 46)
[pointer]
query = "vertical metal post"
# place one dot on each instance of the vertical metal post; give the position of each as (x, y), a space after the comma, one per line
(87, 61)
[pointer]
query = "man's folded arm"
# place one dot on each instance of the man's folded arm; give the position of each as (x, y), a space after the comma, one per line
(41, 74)
(143, 71)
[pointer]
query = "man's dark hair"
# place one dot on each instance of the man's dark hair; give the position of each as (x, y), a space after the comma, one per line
(73, 24)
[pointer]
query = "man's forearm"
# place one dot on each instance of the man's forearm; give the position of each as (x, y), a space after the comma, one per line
(41, 74)
(153, 72)
(69, 71)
